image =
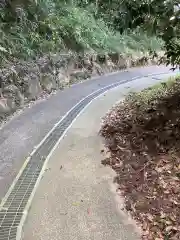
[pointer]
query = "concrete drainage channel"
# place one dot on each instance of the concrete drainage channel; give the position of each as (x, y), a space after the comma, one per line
(15, 205)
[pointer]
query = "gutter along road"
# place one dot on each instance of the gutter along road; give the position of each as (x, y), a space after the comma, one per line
(42, 125)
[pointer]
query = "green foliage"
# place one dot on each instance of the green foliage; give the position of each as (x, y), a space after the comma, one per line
(161, 18)
(148, 97)
(29, 29)
(173, 52)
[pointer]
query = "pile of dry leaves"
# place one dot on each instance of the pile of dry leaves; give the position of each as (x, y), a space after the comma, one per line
(143, 137)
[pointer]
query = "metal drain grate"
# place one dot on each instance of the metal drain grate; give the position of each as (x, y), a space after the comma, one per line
(13, 208)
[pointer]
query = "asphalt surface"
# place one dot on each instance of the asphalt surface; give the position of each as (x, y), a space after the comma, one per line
(76, 198)
(20, 135)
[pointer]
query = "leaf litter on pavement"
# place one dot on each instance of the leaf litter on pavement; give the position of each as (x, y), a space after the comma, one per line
(143, 137)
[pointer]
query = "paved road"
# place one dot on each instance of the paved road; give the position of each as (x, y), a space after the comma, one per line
(76, 199)
(24, 132)
(20, 135)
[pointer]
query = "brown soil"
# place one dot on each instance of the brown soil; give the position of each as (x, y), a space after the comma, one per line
(143, 137)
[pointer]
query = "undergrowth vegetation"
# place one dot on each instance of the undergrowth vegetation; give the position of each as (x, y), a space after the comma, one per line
(151, 96)
(142, 135)
(29, 28)
(33, 28)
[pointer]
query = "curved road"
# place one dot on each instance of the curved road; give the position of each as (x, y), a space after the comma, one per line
(20, 136)
(22, 133)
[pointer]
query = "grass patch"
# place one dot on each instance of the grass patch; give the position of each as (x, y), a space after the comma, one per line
(143, 137)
